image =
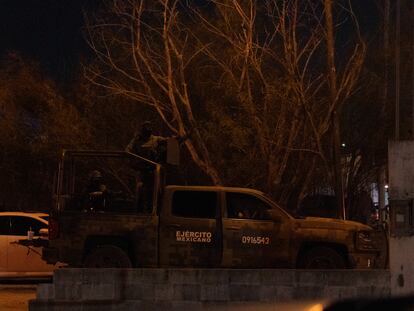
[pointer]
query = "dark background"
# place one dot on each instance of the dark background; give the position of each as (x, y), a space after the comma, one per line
(51, 31)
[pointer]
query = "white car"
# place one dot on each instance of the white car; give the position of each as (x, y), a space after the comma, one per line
(17, 260)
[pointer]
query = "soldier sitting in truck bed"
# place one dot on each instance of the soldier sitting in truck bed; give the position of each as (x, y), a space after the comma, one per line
(97, 194)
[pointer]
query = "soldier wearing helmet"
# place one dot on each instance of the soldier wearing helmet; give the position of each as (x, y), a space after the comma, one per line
(97, 192)
(146, 144)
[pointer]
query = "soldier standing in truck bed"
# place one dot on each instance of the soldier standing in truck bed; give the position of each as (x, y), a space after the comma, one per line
(147, 145)
(154, 148)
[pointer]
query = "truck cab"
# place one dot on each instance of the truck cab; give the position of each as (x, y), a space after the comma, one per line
(138, 221)
(222, 227)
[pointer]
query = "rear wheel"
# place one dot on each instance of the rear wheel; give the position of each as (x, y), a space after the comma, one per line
(322, 258)
(107, 256)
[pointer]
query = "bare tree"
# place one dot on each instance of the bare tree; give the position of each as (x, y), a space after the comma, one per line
(151, 66)
(268, 57)
(271, 66)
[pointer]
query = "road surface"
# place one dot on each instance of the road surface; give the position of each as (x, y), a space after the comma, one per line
(15, 297)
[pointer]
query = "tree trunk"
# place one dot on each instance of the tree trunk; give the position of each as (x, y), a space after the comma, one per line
(330, 43)
(204, 164)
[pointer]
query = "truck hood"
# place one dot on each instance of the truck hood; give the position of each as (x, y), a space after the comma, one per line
(330, 223)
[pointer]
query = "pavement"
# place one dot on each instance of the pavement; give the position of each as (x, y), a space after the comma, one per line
(15, 297)
(15, 293)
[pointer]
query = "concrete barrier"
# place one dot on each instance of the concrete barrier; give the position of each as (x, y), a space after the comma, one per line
(194, 289)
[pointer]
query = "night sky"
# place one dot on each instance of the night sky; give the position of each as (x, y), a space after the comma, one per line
(50, 31)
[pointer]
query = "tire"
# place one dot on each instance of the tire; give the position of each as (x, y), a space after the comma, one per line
(322, 258)
(107, 256)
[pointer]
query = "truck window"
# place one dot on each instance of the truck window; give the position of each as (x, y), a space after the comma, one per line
(245, 206)
(194, 204)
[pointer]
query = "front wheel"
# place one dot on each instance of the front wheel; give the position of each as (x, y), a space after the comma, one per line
(322, 258)
(107, 256)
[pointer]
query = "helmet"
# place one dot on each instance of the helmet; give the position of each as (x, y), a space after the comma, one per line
(146, 128)
(146, 125)
(95, 174)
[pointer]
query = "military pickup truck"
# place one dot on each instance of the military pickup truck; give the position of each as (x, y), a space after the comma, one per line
(134, 220)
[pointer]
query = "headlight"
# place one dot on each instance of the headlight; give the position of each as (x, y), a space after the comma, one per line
(365, 236)
(365, 240)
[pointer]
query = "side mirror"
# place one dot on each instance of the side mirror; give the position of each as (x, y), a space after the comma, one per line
(44, 233)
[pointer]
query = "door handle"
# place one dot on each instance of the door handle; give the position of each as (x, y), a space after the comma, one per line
(233, 228)
(174, 226)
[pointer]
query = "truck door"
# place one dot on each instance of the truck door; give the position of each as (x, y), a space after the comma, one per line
(189, 234)
(250, 237)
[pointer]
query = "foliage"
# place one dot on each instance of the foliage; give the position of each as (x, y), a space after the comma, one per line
(36, 123)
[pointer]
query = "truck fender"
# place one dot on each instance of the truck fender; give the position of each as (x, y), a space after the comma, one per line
(95, 241)
(306, 246)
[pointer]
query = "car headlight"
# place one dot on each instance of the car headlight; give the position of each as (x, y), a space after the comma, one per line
(365, 241)
(364, 236)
